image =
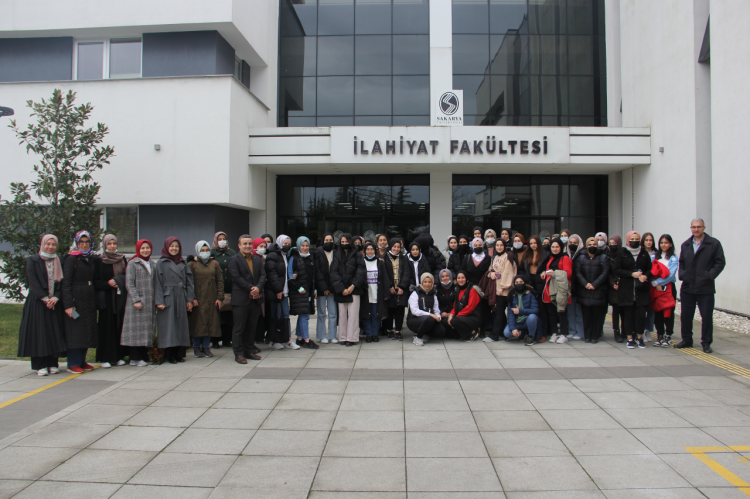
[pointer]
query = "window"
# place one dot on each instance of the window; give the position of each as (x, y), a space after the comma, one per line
(125, 58)
(90, 64)
(110, 58)
(124, 222)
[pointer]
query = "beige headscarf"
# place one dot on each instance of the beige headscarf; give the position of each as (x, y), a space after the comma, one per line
(58, 275)
(114, 259)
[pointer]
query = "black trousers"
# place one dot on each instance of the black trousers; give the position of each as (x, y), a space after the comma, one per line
(501, 319)
(138, 353)
(227, 322)
(396, 318)
(173, 353)
(426, 325)
(243, 332)
(633, 319)
(463, 326)
(592, 321)
(38, 363)
(664, 324)
(556, 318)
(618, 321)
(705, 303)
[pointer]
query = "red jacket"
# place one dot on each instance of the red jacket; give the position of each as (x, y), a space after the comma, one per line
(565, 264)
(473, 302)
(661, 300)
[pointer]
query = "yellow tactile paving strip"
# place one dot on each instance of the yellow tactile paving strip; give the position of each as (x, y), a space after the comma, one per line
(701, 453)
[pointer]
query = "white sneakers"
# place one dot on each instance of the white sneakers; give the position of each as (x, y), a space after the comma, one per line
(105, 365)
(54, 370)
(140, 363)
(553, 338)
(324, 341)
(576, 338)
(418, 342)
(121, 362)
(487, 339)
(562, 339)
(276, 346)
(291, 345)
(334, 340)
(42, 372)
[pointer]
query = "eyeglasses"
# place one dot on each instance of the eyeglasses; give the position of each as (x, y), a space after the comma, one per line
(696, 226)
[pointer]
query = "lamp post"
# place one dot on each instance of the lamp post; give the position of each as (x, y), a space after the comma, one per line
(6, 111)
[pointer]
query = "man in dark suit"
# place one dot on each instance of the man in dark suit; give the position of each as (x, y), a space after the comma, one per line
(248, 281)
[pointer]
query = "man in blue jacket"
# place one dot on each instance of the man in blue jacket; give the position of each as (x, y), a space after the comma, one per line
(523, 312)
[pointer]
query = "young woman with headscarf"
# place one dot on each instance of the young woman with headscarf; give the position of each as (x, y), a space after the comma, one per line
(81, 280)
(477, 233)
(633, 267)
(618, 321)
(423, 318)
(489, 242)
(523, 312)
(208, 285)
(533, 267)
(174, 295)
(277, 281)
(398, 270)
(417, 261)
(518, 247)
(373, 308)
(348, 275)
(558, 261)
(109, 352)
(503, 270)
(575, 249)
(591, 269)
(446, 294)
(139, 323)
(450, 248)
(327, 307)
(221, 252)
(381, 245)
(41, 335)
(465, 315)
(301, 278)
(457, 256)
(477, 262)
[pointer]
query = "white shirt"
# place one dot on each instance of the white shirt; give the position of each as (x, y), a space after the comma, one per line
(414, 305)
(372, 280)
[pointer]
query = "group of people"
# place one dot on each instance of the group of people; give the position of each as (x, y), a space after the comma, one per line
(545, 288)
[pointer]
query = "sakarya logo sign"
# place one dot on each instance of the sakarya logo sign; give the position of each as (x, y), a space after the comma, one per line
(449, 103)
(449, 111)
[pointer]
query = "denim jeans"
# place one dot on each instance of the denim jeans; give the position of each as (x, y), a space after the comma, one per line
(201, 341)
(327, 307)
(77, 357)
(650, 317)
(282, 308)
(372, 323)
(530, 325)
(575, 319)
(303, 330)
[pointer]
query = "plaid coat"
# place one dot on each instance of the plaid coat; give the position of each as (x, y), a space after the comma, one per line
(139, 326)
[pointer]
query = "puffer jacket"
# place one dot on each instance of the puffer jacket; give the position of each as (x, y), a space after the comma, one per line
(423, 266)
(446, 297)
(347, 270)
(631, 291)
(301, 303)
(528, 305)
(322, 271)
(275, 269)
(594, 271)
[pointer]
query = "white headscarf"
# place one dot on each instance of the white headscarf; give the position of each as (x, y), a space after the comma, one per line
(481, 255)
(198, 247)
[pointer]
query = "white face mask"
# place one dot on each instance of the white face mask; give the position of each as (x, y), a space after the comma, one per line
(261, 251)
(204, 255)
(564, 239)
(600, 243)
(518, 245)
(222, 244)
(490, 240)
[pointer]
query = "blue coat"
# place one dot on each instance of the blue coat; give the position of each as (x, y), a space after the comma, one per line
(529, 306)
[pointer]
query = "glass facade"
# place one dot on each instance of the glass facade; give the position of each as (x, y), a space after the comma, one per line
(312, 205)
(530, 203)
(354, 62)
(530, 62)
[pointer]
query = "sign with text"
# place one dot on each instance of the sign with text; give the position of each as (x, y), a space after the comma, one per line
(450, 108)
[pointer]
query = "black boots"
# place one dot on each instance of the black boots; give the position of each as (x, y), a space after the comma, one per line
(618, 336)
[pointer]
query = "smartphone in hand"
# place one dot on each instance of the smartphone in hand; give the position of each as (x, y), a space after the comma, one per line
(74, 315)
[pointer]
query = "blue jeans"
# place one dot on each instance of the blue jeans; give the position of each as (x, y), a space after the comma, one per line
(201, 341)
(303, 330)
(282, 308)
(327, 307)
(650, 317)
(530, 325)
(705, 303)
(575, 319)
(372, 323)
(77, 357)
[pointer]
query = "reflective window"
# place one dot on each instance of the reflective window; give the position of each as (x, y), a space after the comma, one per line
(335, 17)
(372, 17)
(471, 54)
(470, 16)
(298, 56)
(411, 55)
(124, 221)
(506, 15)
(411, 95)
(125, 58)
(372, 95)
(411, 17)
(336, 96)
(299, 96)
(335, 55)
(90, 64)
(372, 55)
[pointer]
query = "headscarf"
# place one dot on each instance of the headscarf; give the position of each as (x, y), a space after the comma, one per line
(481, 255)
(494, 234)
(364, 251)
(257, 242)
(462, 252)
(198, 247)
(300, 240)
(448, 247)
(578, 250)
(595, 245)
(426, 274)
(467, 283)
(77, 250)
(554, 263)
(450, 276)
(114, 259)
(165, 250)
(604, 235)
(633, 251)
(57, 275)
(215, 243)
(138, 250)
(280, 240)
(477, 229)
(414, 243)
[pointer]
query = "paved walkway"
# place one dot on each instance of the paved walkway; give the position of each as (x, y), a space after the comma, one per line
(390, 420)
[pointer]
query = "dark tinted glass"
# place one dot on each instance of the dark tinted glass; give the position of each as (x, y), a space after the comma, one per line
(411, 95)
(581, 95)
(336, 17)
(298, 96)
(301, 121)
(306, 12)
(372, 120)
(411, 16)
(583, 16)
(411, 121)
(372, 55)
(470, 16)
(548, 54)
(506, 15)
(476, 92)
(335, 121)
(297, 56)
(548, 17)
(471, 54)
(411, 54)
(335, 55)
(549, 95)
(580, 55)
(372, 17)
(372, 95)
(336, 96)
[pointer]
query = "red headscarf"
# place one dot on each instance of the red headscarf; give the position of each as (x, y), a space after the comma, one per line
(165, 250)
(138, 250)
(257, 242)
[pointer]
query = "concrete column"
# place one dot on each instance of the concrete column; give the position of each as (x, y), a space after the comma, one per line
(441, 207)
(615, 203)
(441, 51)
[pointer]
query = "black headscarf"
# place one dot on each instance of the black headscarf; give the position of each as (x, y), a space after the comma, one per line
(554, 263)
(364, 251)
(465, 250)
(467, 283)
(411, 245)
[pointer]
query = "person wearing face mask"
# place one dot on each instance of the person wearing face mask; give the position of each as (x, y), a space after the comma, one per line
(446, 293)
(418, 262)
(375, 294)
(633, 267)
(591, 269)
(263, 331)
(221, 252)
(574, 250)
(476, 263)
(109, 352)
(208, 283)
(327, 307)
(381, 245)
(565, 237)
(518, 247)
(139, 324)
(556, 294)
(359, 243)
(348, 275)
(301, 282)
(465, 314)
(523, 313)
(489, 242)
(533, 268)
(451, 248)
(458, 256)
(423, 318)
(601, 243)
(398, 272)
(430, 253)
(503, 270)
(618, 322)
(477, 233)
(276, 275)
(249, 284)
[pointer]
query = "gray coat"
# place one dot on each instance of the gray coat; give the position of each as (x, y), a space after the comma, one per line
(139, 326)
(173, 288)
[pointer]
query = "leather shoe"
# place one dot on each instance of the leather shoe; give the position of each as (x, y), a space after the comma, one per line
(684, 344)
(252, 356)
(240, 359)
(707, 349)
(254, 349)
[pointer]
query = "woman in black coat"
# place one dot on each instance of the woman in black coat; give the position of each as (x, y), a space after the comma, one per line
(40, 335)
(375, 294)
(456, 257)
(446, 294)
(399, 270)
(109, 351)
(633, 267)
(532, 267)
(327, 307)
(301, 274)
(347, 278)
(277, 326)
(591, 270)
(611, 251)
(418, 262)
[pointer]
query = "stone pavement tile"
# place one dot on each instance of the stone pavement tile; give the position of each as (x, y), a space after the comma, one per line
(713, 416)
(125, 396)
(24, 385)
(434, 387)
(237, 419)
(188, 399)
(509, 421)
(624, 361)
(665, 440)
(713, 383)
(651, 472)
(150, 383)
(376, 402)
(334, 352)
(557, 494)
(143, 438)
(687, 398)
(656, 494)
(470, 354)
(287, 443)
(524, 444)
(721, 493)
(585, 372)
(444, 363)
(280, 419)
(641, 372)
(674, 360)
(522, 363)
(651, 417)
(430, 374)
(31, 463)
(193, 470)
(103, 414)
(141, 491)
(368, 363)
(526, 353)
(386, 474)
(260, 475)
(435, 402)
(211, 441)
(465, 363)
(9, 488)
(735, 397)
(377, 374)
(365, 444)
(482, 374)
(5, 396)
(226, 372)
(72, 435)
(549, 373)
(560, 401)
(693, 370)
(113, 466)
(729, 435)
(273, 373)
(601, 442)
(698, 474)
(470, 386)
(166, 416)
(380, 354)
(208, 384)
(328, 494)
(603, 385)
(248, 400)
(440, 421)
(79, 490)
(374, 387)
(547, 386)
(369, 421)
(444, 444)
(524, 474)
(346, 363)
(624, 400)
(595, 419)
(425, 354)
(604, 351)
(261, 386)
(571, 362)
(318, 386)
(310, 401)
(452, 474)
(283, 362)
(658, 384)
(499, 402)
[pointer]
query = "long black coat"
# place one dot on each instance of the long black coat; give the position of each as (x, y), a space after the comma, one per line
(475, 272)
(423, 266)
(405, 269)
(111, 318)
(613, 278)
(632, 291)
(591, 270)
(347, 270)
(454, 263)
(322, 271)
(698, 271)
(446, 297)
(384, 293)
(301, 303)
(41, 331)
(81, 280)
(275, 269)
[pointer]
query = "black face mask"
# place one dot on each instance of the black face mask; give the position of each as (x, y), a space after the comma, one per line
(546, 247)
(286, 248)
(519, 287)
(478, 250)
(591, 250)
(613, 248)
(346, 247)
(634, 244)
(573, 247)
(463, 249)
(328, 246)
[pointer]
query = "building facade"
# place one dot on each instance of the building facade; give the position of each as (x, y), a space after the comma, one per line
(313, 116)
